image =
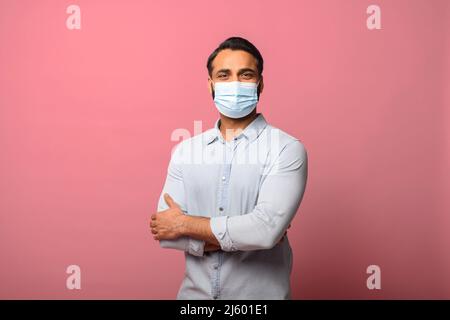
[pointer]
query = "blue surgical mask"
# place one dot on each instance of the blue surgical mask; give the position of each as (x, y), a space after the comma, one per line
(235, 99)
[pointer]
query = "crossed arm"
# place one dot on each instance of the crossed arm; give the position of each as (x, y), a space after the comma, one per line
(279, 198)
(172, 224)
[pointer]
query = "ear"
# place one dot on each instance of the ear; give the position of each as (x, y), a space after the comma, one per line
(261, 85)
(210, 85)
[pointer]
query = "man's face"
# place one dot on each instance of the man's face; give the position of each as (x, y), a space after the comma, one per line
(234, 65)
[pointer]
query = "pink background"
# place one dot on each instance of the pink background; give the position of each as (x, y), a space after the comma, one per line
(86, 118)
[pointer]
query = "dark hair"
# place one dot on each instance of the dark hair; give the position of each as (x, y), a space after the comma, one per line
(237, 43)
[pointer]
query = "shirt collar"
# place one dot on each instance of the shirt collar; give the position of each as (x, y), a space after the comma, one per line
(251, 132)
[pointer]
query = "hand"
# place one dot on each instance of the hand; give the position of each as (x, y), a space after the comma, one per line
(168, 224)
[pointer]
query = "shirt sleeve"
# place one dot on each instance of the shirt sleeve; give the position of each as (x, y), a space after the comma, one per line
(280, 195)
(175, 188)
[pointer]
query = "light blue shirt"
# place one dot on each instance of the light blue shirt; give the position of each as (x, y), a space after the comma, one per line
(251, 187)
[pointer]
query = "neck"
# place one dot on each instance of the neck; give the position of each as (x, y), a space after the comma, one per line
(230, 128)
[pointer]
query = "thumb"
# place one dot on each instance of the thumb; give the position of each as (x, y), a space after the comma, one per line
(169, 201)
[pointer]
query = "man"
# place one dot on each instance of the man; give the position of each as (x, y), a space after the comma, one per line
(232, 191)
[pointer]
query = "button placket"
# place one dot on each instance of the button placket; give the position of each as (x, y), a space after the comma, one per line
(222, 203)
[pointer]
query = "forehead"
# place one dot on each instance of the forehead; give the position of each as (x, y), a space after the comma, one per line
(234, 60)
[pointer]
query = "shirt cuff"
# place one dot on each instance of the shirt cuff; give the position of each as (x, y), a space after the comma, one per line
(219, 229)
(196, 247)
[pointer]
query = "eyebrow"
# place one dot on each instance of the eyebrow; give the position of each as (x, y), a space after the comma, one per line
(244, 70)
(241, 71)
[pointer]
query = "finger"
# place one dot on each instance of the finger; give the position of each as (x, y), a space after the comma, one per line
(169, 201)
(154, 231)
(152, 224)
(155, 237)
(289, 225)
(153, 216)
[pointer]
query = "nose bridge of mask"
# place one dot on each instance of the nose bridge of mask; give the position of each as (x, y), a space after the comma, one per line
(235, 93)
(236, 88)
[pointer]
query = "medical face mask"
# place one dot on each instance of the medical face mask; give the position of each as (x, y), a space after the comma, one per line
(235, 99)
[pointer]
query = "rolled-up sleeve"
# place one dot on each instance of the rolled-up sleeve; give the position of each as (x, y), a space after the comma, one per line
(175, 188)
(280, 195)
(219, 229)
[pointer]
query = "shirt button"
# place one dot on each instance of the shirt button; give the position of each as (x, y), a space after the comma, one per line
(223, 178)
(220, 209)
(216, 266)
(215, 297)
